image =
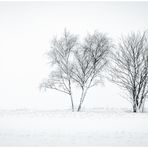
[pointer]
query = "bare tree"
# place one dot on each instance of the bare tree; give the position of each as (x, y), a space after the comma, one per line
(60, 56)
(129, 69)
(90, 60)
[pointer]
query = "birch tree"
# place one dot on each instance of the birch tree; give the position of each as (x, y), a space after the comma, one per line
(90, 60)
(129, 69)
(60, 57)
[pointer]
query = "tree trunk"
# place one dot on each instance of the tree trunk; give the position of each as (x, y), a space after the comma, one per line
(134, 108)
(81, 100)
(70, 93)
(83, 95)
(72, 104)
(141, 106)
(79, 108)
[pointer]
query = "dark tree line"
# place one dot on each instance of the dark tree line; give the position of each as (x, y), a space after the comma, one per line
(81, 64)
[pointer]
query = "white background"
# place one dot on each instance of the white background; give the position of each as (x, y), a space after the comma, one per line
(26, 29)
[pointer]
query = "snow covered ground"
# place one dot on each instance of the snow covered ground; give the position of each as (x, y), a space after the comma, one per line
(91, 127)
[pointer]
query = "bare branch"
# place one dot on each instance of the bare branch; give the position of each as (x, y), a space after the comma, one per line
(60, 57)
(129, 69)
(90, 60)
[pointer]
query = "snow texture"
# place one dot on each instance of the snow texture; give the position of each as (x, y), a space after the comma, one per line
(90, 127)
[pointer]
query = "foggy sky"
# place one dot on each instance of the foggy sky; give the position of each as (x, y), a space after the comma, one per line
(26, 29)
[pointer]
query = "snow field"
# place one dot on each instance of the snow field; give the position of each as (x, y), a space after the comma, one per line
(91, 127)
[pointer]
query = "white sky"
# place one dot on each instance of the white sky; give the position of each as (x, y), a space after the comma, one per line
(25, 31)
